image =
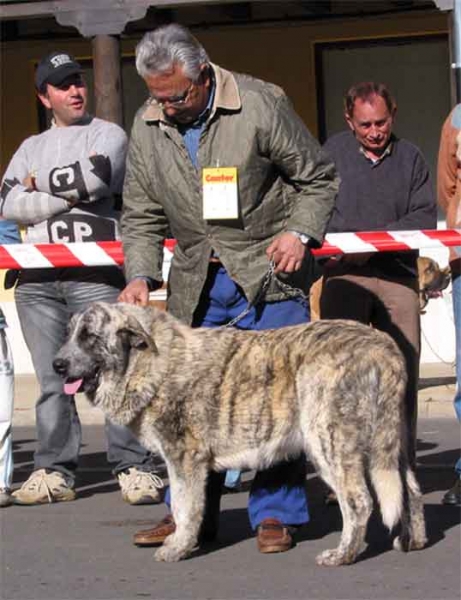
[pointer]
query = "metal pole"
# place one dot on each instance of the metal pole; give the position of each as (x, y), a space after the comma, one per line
(456, 46)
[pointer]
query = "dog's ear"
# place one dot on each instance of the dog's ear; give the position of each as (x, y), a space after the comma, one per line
(137, 336)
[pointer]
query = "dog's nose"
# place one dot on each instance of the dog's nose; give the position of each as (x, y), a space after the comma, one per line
(61, 366)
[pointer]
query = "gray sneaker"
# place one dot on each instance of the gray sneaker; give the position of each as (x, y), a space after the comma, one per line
(45, 487)
(5, 497)
(139, 487)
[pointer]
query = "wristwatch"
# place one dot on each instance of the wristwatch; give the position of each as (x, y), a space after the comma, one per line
(302, 237)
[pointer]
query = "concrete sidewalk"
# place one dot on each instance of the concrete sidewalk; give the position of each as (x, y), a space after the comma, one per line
(436, 391)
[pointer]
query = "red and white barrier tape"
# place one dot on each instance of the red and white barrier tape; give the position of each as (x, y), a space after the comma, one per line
(92, 254)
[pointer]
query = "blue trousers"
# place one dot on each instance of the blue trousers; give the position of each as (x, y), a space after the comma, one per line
(456, 289)
(278, 492)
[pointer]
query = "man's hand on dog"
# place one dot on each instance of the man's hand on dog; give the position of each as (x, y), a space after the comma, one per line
(136, 292)
(287, 252)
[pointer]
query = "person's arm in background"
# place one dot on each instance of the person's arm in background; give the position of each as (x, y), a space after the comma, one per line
(448, 168)
(448, 183)
(19, 200)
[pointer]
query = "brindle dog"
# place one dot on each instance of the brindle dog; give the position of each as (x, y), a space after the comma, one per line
(228, 399)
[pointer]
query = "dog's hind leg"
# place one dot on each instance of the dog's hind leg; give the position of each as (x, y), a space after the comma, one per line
(356, 505)
(413, 532)
(187, 485)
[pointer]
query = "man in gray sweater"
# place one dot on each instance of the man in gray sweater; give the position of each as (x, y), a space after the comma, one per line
(62, 185)
(385, 186)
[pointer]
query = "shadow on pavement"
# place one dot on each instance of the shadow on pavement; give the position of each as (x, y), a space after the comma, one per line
(435, 473)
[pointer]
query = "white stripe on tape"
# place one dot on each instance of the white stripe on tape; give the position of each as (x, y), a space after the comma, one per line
(28, 256)
(158, 295)
(90, 254)
(416, 239)
(167, 256)
(349, 242)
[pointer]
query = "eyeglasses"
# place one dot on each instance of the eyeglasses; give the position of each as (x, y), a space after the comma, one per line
(174, 101)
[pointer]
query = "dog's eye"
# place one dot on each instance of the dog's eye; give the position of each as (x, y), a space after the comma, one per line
(86, 335)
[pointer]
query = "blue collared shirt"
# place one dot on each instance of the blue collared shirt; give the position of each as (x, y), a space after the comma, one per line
(191, 132)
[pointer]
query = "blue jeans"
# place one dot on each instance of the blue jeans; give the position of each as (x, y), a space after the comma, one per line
(456, 288)
(45, 301)
(233, 477)
(6, 410)
(278, 492)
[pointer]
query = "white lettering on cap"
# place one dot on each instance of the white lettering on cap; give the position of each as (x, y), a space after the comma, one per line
(60, 59)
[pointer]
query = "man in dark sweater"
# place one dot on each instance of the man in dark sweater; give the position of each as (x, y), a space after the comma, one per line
(385, 186)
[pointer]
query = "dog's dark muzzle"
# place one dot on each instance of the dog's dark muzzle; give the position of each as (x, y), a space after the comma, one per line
(61, 366)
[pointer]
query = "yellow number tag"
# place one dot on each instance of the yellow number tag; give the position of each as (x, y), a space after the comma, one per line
(220, 194)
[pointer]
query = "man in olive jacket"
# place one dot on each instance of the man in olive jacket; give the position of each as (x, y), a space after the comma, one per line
(221, 162)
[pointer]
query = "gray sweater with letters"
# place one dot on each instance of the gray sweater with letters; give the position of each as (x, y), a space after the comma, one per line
(77, 173)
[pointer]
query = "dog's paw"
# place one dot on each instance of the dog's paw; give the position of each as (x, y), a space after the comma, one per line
(333, 558)
(169, 554)
(413, 544)
(397, 544)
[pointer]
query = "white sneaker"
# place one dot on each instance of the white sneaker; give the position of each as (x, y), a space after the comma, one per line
(140, 487)
(45, 487)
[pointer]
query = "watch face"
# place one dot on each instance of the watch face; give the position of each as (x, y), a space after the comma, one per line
(303, 238)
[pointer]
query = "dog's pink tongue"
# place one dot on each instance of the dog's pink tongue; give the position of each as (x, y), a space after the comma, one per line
(72, 387)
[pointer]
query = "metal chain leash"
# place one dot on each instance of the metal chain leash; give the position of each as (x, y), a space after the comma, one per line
(288, 291)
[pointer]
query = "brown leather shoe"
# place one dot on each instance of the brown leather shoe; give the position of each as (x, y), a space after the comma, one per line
(273, 536)
(157, 535)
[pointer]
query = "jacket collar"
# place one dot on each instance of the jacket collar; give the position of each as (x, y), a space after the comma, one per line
(227, 96)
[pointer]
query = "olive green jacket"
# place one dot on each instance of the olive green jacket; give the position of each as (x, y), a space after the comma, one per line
(285, 182)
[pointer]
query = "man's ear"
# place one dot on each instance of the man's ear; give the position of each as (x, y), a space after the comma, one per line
(349, 121)
(44, 100)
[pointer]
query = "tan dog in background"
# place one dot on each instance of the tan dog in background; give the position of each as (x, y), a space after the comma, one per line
(432, 280)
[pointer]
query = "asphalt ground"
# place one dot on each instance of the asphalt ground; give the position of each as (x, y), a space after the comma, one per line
(83, 549)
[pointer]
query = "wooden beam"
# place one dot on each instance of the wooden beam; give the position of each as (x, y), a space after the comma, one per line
(108, 99)
(21, 10)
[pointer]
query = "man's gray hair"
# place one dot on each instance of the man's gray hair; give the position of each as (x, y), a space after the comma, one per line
(161, 49)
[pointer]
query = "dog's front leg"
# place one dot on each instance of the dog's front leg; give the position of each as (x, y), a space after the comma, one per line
(187, 505)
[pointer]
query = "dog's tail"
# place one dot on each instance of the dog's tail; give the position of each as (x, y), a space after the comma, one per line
(387, 443)
(389, 490)
(397, 489)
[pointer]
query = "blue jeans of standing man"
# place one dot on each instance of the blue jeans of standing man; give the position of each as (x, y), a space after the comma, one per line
(456, 289)
(6, 409)
(45, 301)
(278, 492)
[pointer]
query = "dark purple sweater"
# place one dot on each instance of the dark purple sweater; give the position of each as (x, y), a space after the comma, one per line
(395, 194)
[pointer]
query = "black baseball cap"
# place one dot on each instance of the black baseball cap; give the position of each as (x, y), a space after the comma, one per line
(54, 68)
